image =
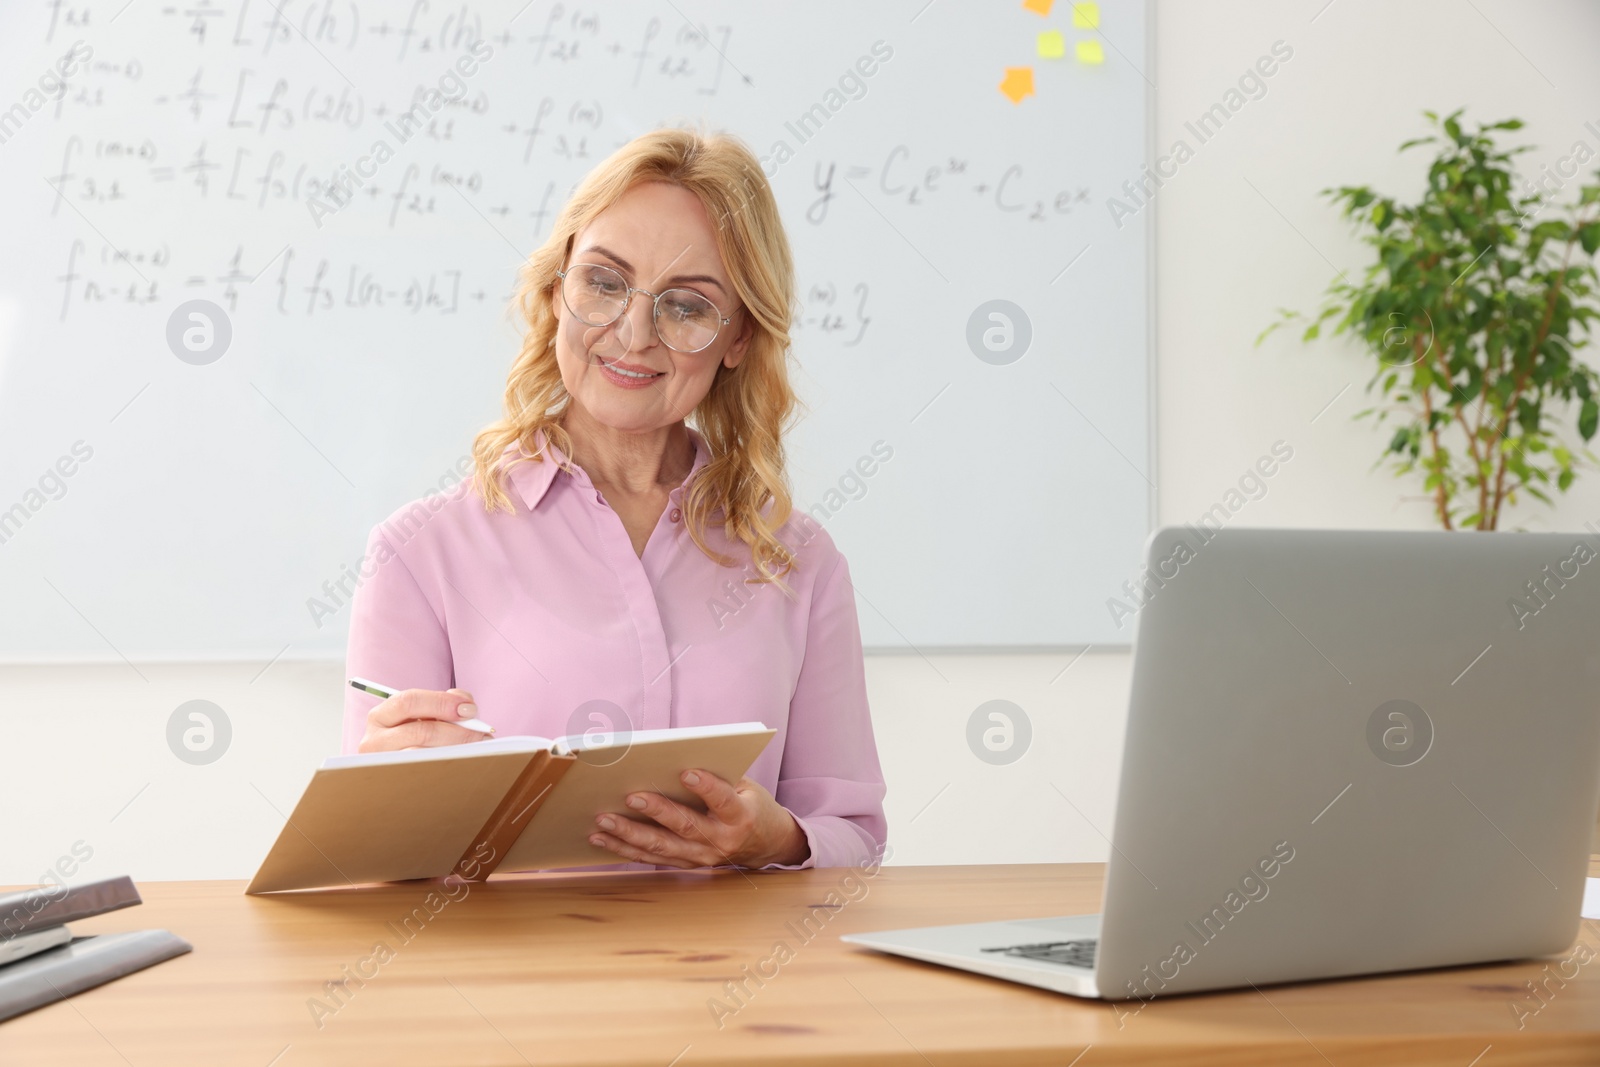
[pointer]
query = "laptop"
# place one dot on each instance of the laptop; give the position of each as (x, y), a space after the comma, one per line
(1347, 752)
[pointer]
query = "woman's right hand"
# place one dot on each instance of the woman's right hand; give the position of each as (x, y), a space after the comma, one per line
(420, 718)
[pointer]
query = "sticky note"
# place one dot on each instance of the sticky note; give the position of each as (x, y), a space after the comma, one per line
(1090, 52)
(1017, 83)
(1052, 45)
(1086, 16)
(1038, 7)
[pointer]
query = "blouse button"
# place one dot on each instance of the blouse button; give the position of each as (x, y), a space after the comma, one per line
(675, 515)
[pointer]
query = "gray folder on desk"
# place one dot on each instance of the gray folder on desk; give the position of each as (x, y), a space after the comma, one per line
(43, 963)
(83, 964)
(46, 906)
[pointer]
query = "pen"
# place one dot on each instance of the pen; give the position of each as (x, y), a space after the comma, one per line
(384, 692)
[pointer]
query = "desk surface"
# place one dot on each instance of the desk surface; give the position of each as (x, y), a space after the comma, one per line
(625, 968)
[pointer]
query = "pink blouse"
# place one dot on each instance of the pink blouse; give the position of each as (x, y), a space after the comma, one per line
(556, 626)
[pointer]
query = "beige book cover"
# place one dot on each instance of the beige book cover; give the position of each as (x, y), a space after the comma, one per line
(512, 803)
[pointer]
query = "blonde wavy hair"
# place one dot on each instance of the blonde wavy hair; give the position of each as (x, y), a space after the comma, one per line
(748, 408)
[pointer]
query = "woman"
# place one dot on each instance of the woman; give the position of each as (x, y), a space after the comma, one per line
(609, 566)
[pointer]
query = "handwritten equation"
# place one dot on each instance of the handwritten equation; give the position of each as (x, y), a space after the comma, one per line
(560, 35)
(294, 283)
(902, 177)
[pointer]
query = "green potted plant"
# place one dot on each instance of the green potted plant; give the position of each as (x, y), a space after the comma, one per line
(1474, 310)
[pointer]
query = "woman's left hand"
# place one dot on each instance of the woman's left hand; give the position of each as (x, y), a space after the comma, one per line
(742, 825)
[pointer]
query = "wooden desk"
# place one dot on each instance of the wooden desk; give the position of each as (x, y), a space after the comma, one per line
(619, 969)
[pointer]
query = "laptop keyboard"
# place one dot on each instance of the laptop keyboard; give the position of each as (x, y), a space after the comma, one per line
(1066, 953)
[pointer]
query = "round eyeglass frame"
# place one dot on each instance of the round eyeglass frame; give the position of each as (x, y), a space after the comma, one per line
(655, 306)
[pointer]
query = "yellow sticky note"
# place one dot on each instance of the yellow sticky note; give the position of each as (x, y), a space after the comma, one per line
(1052, 45)
(1017, 83)
(1038, 7)
(1086, 16)
(1090, 52)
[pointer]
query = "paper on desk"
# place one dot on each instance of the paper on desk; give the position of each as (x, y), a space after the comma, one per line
(1591, 899)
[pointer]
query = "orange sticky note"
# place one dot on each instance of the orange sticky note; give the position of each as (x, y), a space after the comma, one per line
(1086, 16)
(1091, 52)
(1038, 7)
(1052, 45)
(1017, 83)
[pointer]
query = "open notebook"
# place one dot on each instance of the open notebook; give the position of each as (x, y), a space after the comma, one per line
(510, 803)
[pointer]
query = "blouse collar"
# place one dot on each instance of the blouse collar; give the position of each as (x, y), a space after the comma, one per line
(531, 478)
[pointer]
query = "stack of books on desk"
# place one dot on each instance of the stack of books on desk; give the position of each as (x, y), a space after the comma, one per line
(42, 962)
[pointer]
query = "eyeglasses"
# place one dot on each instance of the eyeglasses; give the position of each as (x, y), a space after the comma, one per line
(597, 295)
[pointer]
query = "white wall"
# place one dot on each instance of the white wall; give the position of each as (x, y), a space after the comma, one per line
(1240, 232)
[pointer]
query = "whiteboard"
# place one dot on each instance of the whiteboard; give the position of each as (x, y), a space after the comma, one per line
(157, 507)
